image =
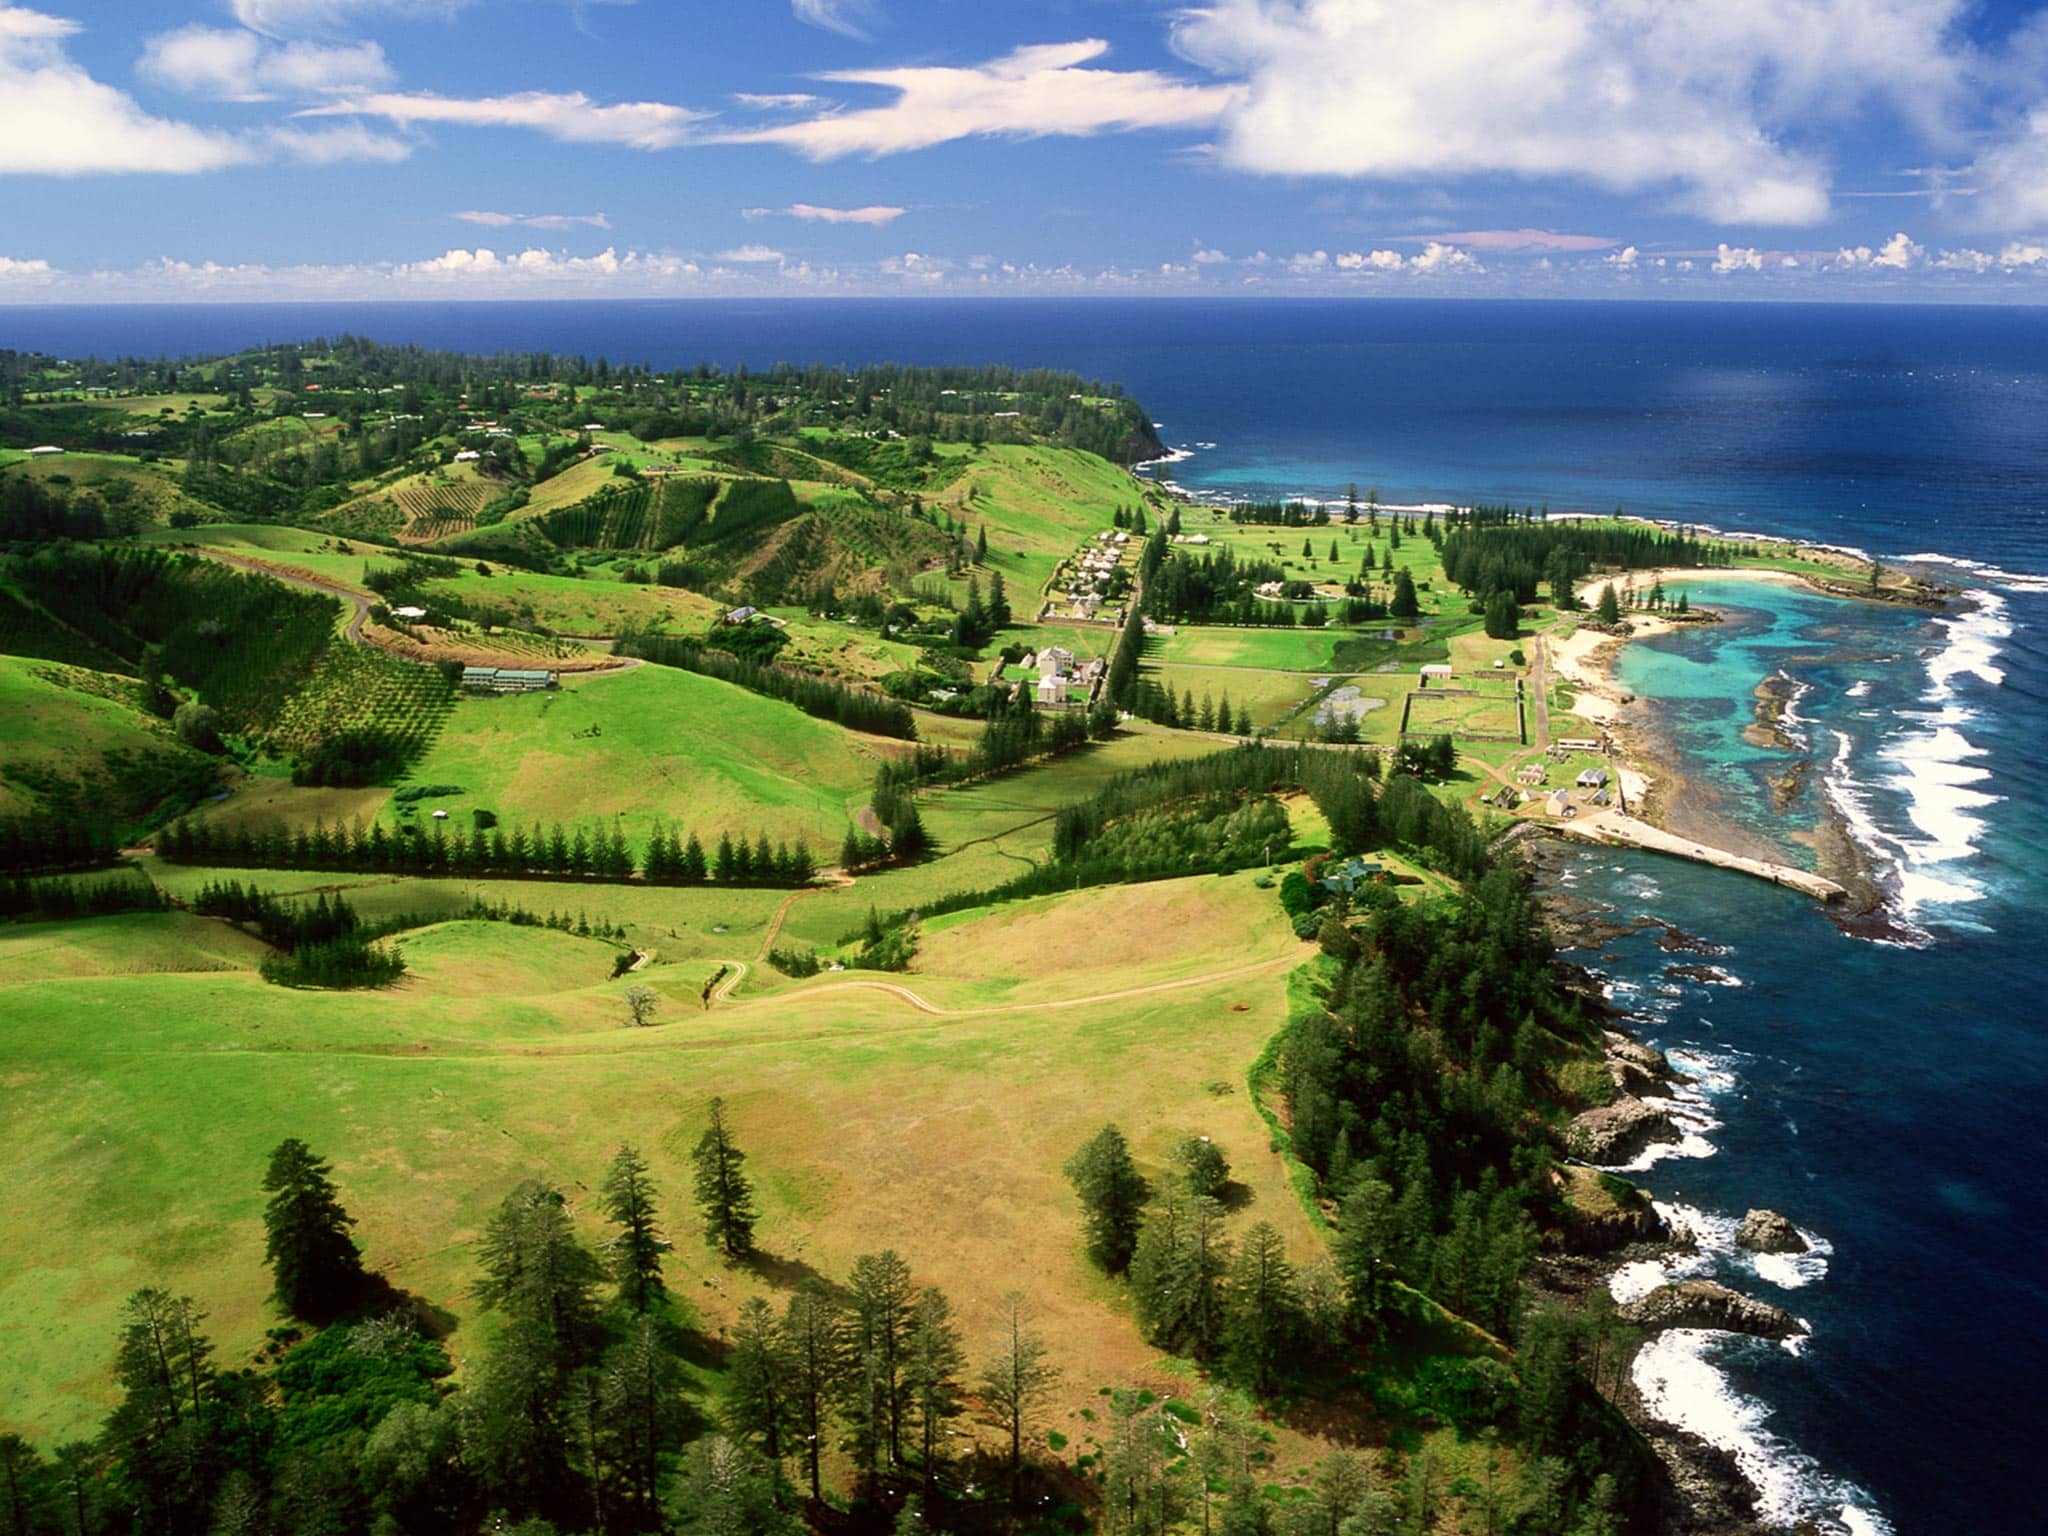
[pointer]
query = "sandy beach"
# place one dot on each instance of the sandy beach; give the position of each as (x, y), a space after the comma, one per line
(1652, 790)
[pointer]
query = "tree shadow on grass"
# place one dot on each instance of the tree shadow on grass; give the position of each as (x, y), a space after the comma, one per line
(785, 1273)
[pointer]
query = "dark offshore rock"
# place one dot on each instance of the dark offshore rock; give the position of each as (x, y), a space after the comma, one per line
(1768, 1232)
(1706, 1304)
(1615, 1133)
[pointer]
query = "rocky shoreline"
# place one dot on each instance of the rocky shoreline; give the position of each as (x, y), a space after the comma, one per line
(1704, 1491)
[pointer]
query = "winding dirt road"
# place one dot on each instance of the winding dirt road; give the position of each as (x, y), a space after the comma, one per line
(305, 581)
(904, 994)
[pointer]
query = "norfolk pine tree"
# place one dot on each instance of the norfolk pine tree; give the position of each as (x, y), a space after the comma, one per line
(1016, 1378)
(627, 1197)
(1112, 1197)
(724, 1192)
(315, 1263)
(814, 1353)
(933, 1360)
(761, 1409)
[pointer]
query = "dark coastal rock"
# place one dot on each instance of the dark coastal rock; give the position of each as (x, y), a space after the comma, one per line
(1601, 1213)
(1617, 1132)
(1637, 1068)
(1706, 1304)
(1768, 1232)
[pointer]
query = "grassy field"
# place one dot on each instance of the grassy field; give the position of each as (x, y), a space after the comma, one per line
(78, 735)
(652, 744)
(138, 1140)
(1485, 710)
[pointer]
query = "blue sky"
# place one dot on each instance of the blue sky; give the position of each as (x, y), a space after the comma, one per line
(246, 149)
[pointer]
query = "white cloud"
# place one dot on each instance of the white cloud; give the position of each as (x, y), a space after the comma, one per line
(1734, 258)
(849, 18)
(283, 18)
(56, 120)
(1031, 93)
(1623, 259)
(2016, 256)
(2013, 177)
(874, 213)
(782, 101)
(1438, 257)
(14, 269)
(1435, 256)
(333, 146)
(1205, 257)
(241, 66)
(1965, 261)
(1702, 100)
(1308, 261)
(1522, 240)
(1898, 254)
(571, 117)
(749, 255)
(492, 220)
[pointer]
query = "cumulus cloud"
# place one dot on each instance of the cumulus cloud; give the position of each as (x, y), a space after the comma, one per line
(1308, 261)
(1372, 261)
(1439, 257)
(56, 120)
(493, 220)
(14, 269)
(1031, 93)
(570, 116)
(1623, 259)
(1206, 257)
(236, 65)
(2015, 256)
(1898, 254)
(1700, 99)
(750, 255)
(1734, 258)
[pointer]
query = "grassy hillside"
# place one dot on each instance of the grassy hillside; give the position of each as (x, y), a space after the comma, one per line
(869, 1122)
(651, 744)
(80, 744)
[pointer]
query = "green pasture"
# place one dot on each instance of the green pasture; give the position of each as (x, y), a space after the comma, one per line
(150, 1071)
(646, 745)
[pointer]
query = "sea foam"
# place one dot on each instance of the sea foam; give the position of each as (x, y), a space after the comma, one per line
(1679, 1377)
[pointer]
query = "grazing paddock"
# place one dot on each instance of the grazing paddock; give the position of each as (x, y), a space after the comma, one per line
(143, 1104)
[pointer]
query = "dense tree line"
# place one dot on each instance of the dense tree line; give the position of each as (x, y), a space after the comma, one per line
(60, 899)
(672, 857)
(35, 844)
(1519, 557)
(855, 708)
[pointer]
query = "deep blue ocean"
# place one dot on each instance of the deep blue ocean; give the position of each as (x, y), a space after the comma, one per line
(1887, 1096)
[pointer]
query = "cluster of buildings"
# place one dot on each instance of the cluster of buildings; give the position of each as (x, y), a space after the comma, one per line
(1055, 676)
(1090, 574)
